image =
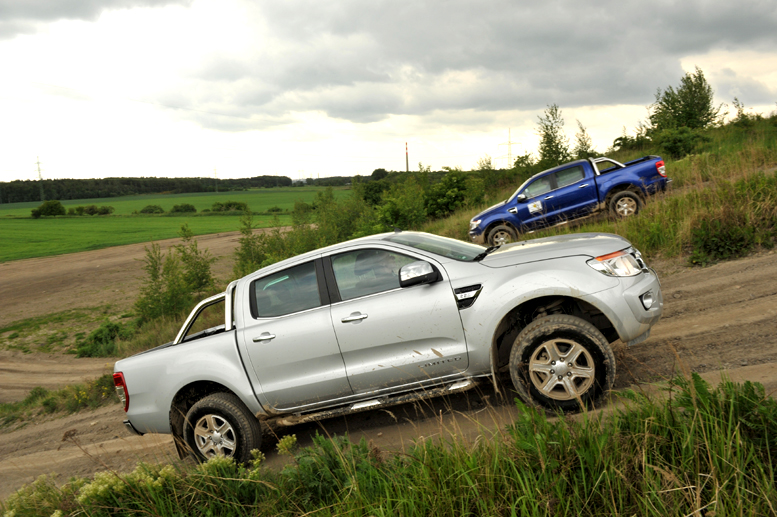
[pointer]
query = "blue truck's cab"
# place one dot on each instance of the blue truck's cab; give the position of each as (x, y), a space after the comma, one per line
(570, 191)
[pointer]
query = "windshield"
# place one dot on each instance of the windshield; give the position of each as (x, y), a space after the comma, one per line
(519, 189)
(444, 246)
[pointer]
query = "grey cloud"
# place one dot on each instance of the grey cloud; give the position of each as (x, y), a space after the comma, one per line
(363, 61)
(21, 16)
(748, 91)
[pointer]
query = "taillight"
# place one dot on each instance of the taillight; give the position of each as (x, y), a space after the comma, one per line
(661, 168)
(121, 389)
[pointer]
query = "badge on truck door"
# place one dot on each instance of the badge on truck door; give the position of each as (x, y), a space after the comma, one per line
(535, 206)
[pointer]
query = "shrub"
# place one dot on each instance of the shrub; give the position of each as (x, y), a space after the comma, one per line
(51, 207)
(681, 141)
(101, 342)
(275, 209)
(152, 209)
(175, 279)
(183, 208)
(229, 206)
(403, 206)
(446, 196)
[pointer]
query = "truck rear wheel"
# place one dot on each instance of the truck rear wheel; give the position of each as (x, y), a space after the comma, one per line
(501, 234)
(221, 425)
(561, 362)
(625, 204)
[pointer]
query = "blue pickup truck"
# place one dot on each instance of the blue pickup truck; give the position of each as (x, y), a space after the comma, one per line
(570, 191)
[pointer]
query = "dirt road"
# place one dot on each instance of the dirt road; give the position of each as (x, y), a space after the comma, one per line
(723, 317)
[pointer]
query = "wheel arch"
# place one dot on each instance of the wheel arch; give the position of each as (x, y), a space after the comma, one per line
(624, 187)
(184, 399)
(498, 222)
(515, 320)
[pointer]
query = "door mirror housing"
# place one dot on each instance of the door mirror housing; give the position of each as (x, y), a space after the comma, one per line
(521, 197)
(417, 273)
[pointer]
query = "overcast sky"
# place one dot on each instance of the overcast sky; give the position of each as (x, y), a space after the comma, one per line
(98, 88)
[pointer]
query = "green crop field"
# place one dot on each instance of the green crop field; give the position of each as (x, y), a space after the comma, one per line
(258, 200)
(23, 237)
(28, 238)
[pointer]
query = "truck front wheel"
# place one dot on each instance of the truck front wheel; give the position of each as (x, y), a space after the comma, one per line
(501, 234)
(625, 204)
(221, 425)
(561, 362)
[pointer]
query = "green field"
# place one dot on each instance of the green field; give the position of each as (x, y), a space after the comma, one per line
(28, 238)
(258, 200)
(23, 237)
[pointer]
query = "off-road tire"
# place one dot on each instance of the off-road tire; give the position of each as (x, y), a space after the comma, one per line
(581, 345)
(625, 204)
(240, 430)
(502, 234)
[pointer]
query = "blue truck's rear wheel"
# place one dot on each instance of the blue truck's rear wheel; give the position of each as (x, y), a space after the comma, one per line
(625, 204)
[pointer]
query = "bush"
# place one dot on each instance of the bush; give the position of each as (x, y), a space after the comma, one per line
(403, 206)
(152, 209)
(90, 210)
(448, 195)
(183, 208)
(229, 206)
(51, 207)
(101, 342)
(175, 279)
(681, 141)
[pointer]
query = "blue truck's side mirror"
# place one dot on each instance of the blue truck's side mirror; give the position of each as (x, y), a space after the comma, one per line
(521, 197)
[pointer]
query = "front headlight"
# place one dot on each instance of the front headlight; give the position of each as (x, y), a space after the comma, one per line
(474, 223)
(620, 263)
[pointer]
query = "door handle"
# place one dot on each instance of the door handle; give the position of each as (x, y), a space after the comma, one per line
(583, 185)
(548, 197)
(512, 210)
(265, 336)
(355, 316)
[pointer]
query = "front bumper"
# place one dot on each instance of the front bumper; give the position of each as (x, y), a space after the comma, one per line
(477, 238)
(624, 308)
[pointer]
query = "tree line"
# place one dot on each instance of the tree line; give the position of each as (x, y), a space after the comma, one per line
(19, 191)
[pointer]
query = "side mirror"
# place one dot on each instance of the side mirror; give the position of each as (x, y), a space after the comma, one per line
(521, 197)
(419, 272)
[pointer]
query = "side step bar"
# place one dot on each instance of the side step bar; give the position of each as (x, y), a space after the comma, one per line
(381, 402)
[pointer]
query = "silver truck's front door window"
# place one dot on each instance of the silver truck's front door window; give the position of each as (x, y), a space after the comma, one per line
(391, 336)
(290, 340)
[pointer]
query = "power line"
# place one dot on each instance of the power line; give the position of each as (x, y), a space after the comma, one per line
(509, 145)
(40, 180)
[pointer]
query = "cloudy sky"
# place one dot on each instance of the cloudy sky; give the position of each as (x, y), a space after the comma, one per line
(303, 88)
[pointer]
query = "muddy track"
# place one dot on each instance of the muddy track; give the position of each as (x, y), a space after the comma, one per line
(720, 318)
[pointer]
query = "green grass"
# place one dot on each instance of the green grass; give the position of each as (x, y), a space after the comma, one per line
(701, 451)
(258, 200)
(69, 399)
(28, 238)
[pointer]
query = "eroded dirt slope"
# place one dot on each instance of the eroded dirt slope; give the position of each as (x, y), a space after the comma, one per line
(720, 317)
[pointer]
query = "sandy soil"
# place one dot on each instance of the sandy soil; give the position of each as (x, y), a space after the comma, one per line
(718, 319)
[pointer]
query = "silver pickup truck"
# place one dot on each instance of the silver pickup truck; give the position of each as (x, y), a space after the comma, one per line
(389, 319)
